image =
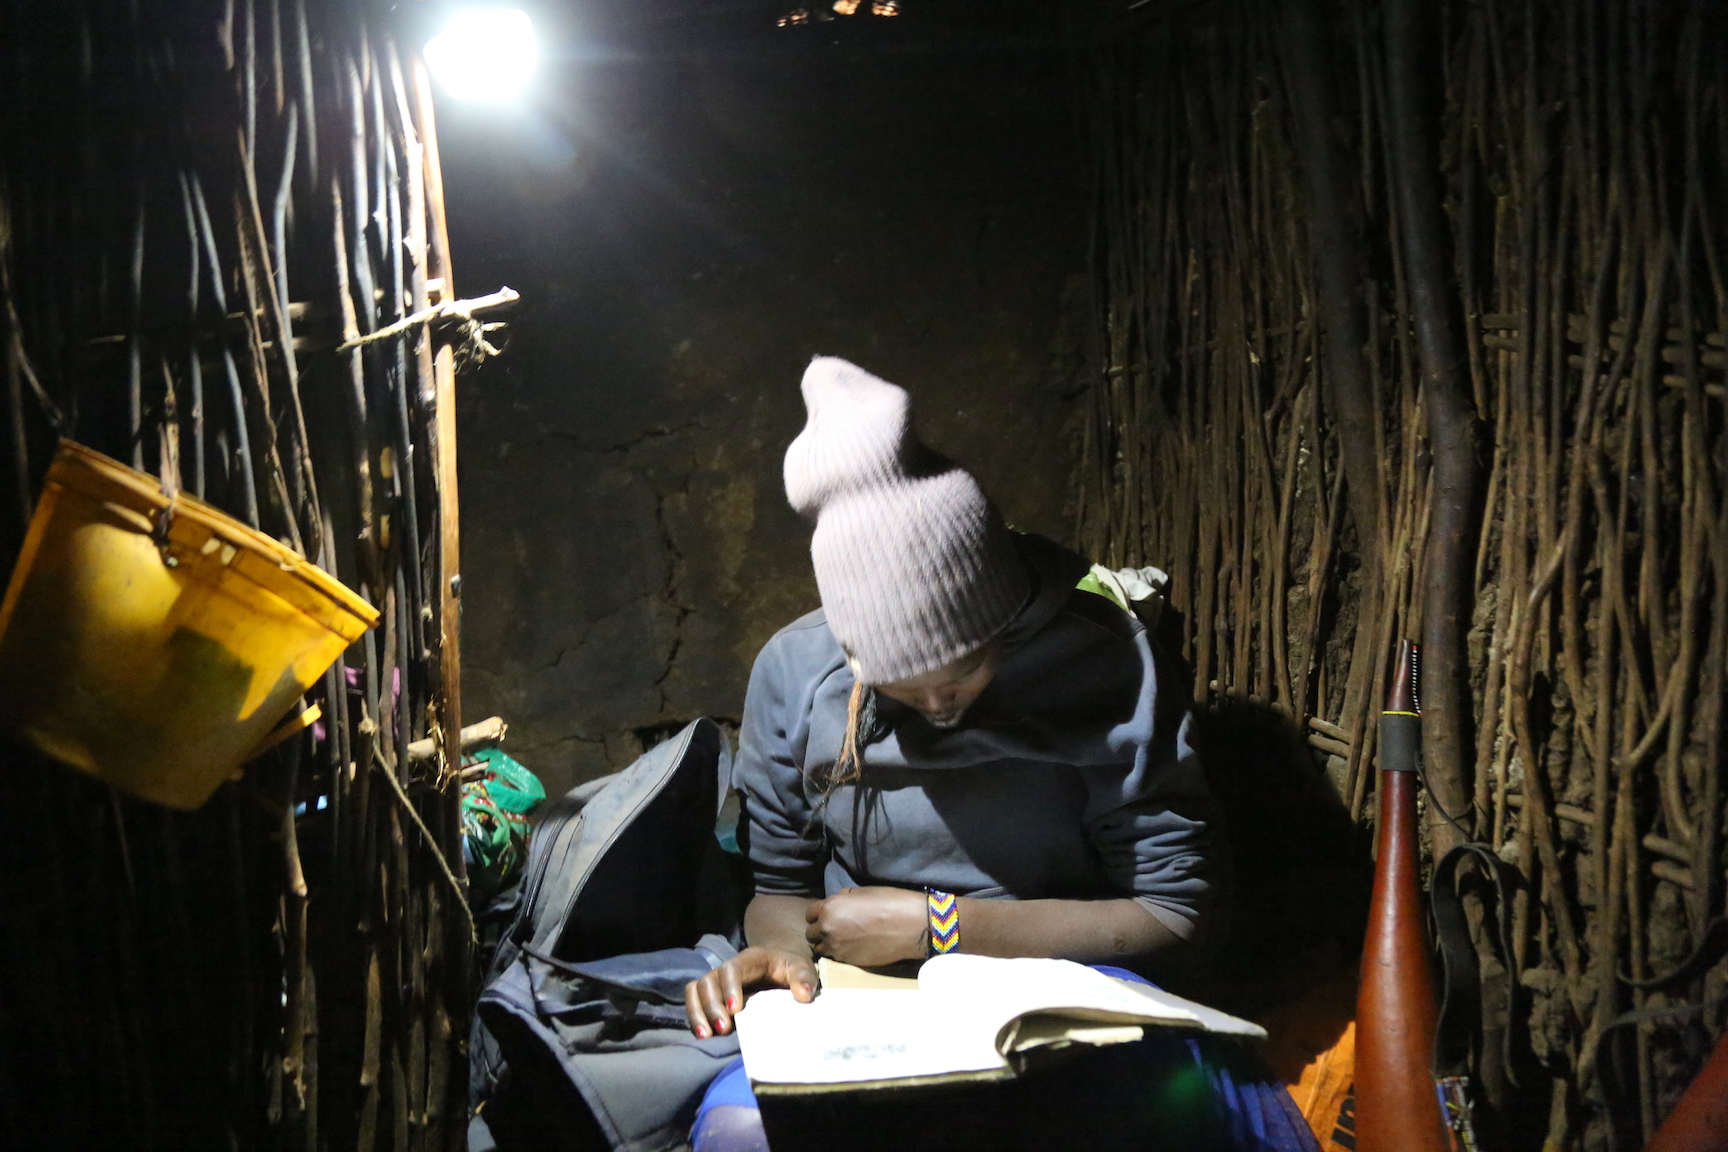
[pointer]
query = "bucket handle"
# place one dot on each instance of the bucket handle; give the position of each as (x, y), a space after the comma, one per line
(287, 728)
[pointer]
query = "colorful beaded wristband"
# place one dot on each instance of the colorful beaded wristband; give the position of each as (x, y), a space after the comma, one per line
(944, 921)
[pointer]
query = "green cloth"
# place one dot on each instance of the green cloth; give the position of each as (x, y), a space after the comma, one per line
(513, 787)
(495, 829)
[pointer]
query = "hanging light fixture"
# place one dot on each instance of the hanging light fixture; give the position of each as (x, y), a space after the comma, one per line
(484, 54)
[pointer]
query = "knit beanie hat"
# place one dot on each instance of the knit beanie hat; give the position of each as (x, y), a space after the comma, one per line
(915, 566)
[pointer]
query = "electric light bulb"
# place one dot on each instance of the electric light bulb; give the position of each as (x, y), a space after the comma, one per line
(484, 55)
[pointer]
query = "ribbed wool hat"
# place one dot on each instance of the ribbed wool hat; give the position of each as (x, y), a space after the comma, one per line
(915, 566)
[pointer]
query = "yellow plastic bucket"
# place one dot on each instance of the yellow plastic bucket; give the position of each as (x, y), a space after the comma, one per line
(156, 643)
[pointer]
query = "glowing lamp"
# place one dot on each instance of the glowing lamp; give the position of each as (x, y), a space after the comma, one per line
(484, 55)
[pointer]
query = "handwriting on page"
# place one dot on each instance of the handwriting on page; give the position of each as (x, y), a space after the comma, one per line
(862, 1052)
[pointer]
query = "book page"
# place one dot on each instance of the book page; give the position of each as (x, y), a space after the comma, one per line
(1061, 987)
(1043, 1030)
(850, 1035)
(966, 1016)
(834, 974)
(1210, 1019)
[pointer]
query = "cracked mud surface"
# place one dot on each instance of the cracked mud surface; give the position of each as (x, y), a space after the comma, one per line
(627, 547)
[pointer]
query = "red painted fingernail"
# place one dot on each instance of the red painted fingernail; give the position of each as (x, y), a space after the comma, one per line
(720, 1027)
(701, 1032)
(733, 1004)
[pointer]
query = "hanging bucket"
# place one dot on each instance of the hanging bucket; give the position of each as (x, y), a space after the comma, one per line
(156, 642)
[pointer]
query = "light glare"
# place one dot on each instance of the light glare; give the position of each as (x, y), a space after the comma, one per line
(485, 55)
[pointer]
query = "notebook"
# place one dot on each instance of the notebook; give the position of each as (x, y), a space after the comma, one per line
(963, 1018)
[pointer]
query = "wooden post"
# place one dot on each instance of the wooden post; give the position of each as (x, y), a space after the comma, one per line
(441, 428)
(1449, 590)
(1346, 386)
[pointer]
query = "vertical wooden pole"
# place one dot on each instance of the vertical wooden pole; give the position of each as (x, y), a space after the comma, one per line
(1448, 576)
(442, 434)
(433, 282)
(1335, 248)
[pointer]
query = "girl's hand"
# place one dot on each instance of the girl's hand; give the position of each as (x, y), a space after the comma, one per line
(870, 927)
(711, 1001)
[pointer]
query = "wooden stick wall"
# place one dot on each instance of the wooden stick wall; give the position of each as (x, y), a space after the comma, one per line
(203, 207)
(1585, 161)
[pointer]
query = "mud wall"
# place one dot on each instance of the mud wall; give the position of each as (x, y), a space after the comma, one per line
(688, 226)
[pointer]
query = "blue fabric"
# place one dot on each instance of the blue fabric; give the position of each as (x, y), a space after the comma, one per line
(732, 1086)
(723, 1119)
(1072, 776)
(1248, 1111)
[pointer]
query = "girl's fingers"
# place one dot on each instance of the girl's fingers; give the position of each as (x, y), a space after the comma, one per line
(714, 1004)
(693, 1009)
(731, 987)
(799, 976)
(711, 1002)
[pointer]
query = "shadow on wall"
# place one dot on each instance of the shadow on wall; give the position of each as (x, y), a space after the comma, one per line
(1303, 871)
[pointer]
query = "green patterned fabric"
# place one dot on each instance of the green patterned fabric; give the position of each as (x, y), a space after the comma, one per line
(513, 787)
(495, 810)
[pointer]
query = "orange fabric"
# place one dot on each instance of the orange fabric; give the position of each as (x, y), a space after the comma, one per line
(1325, 1094)
(1311, 1047)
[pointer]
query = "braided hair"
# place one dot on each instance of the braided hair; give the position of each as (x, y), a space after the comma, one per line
(860, 728)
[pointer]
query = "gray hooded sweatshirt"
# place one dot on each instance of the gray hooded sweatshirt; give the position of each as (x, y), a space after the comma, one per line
(1071, 777)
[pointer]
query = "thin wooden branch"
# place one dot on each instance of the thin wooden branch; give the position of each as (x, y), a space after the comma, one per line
(449, 310)
(487, 733)
(432, 846)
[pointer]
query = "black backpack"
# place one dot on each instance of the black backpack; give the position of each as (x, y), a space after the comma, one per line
(579, 1038)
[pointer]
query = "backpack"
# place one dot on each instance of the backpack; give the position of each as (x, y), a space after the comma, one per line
(579, 1040)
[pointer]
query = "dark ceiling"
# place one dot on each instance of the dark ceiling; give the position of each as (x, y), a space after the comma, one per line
(677, 25)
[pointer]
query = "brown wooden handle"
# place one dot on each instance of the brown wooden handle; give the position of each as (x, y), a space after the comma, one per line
(1396, 1106)
(1699, 1122)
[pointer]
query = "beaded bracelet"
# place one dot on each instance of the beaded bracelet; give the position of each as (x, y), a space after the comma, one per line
(944, 921)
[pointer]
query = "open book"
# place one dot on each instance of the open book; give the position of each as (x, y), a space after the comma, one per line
(964, 1018)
